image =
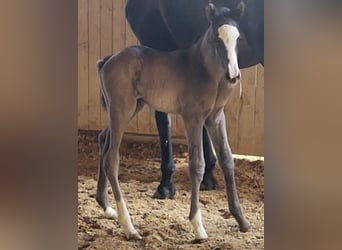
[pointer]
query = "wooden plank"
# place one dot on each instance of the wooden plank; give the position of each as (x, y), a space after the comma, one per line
(94, 55)
(106, 43)
(153, 124)
(179, 127)
(259, 112)
(246, 138)
(144, 121)
(119, 25)
(232, 113)
(173, 125)
(106, 27)
(130, 37)
(83, 47)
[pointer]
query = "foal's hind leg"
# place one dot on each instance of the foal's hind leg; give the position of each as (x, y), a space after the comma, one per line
(102, 183)
(217, 129)
(209, 182)
(119, 117)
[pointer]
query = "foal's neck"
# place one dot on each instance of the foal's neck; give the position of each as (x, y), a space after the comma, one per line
(204, 49)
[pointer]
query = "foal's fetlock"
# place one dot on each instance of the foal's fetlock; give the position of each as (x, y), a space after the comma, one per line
(110, 213)
(244, 224)
(101, 201)
(196, 222)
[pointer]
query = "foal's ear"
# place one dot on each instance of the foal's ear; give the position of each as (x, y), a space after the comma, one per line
(210, 11)
(239, 11)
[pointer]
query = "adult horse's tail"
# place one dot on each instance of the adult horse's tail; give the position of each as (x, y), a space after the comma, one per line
(99, 65)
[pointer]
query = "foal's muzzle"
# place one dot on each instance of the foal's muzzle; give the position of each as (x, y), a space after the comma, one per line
(232, 80)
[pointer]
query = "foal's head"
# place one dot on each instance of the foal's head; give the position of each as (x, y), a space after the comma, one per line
(226, 33)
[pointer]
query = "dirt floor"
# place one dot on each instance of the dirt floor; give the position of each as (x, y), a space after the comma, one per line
(163, 223)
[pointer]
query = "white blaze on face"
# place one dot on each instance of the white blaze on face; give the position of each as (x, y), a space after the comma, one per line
(229, 35)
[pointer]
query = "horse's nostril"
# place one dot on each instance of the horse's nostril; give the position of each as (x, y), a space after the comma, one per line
(231, 80)
(227, 77)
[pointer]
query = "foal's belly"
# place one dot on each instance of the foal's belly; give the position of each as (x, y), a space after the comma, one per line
(178, 97)
(169, 86)
(161, 97)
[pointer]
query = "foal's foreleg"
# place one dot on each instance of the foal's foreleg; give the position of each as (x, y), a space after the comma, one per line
(196, 171)
(217, 129)
(209, 182)
(102, 183)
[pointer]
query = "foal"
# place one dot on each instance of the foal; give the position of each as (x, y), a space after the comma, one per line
(193, 83)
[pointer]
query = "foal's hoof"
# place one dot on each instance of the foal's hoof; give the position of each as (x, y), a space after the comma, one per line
(244, 226)
(209, 182)
(199, 241)
(165, 192)
(133, 236)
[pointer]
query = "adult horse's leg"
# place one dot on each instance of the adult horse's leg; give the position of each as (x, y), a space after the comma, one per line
(209, 182)
(102, 183)
(196, 170)
(166, 188)
(217, 129)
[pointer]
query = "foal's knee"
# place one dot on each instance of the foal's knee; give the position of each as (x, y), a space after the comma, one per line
(196, 169)
(227, 165)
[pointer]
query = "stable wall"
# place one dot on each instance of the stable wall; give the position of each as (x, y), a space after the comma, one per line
(103, 30)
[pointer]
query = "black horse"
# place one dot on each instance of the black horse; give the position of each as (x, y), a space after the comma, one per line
(169, 25)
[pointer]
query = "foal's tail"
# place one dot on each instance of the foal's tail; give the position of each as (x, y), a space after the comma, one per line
(102, 62)
(99, 65)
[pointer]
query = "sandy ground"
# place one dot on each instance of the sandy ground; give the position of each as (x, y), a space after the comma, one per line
(163, 223)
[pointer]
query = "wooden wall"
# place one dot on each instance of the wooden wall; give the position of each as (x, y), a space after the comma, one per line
(103, 30)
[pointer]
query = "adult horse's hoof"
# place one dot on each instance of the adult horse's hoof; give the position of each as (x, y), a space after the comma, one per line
(209, 182)
(165, 192)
